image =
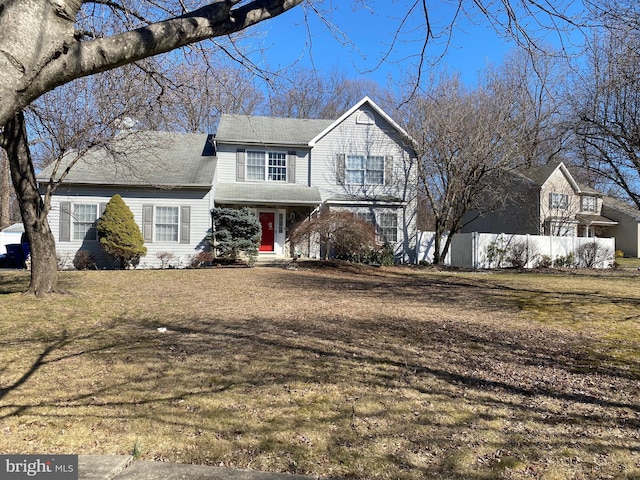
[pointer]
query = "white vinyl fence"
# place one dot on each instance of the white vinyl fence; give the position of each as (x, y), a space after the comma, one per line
(490, 250)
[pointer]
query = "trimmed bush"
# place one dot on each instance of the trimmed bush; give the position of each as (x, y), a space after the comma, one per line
(119, 234)
(84, 260)
(237, 232)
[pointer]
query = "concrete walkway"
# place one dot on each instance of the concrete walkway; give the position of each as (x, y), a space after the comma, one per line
(122, 467)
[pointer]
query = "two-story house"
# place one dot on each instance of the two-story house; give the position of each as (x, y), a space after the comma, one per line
(284, 170)
(546, 200)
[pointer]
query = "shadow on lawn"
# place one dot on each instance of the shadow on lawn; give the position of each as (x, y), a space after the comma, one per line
(530, 376)
(17, 281)
(534, 354)
(527, 376)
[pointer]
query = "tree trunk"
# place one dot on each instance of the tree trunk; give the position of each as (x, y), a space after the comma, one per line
(5, 192)
(44, 264)
(437, 258)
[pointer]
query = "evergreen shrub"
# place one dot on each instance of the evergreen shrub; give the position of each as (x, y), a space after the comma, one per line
(236, 232)
(119, 234)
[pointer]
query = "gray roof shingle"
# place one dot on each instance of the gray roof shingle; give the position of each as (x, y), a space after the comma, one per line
(243, 129)
(160, 159)
(268, 193)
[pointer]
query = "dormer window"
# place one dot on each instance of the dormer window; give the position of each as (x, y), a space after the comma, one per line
(365, 118)
(589, 204)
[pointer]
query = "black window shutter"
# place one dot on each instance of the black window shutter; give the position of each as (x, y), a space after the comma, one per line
(388, 169)
(340, 168)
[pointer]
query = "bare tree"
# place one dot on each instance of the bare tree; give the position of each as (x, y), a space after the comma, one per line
(307, 93)
(461, 138)
(606, 103)
(203, 91)
(530, 85)
(47, 44)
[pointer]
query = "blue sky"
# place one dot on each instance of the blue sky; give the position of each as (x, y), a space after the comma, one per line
(289, 38)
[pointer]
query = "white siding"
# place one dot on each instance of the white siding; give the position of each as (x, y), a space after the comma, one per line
(379, 139)
(363, 139)
(200, 220)
(226, 162)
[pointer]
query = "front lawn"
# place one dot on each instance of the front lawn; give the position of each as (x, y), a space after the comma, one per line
(340, 371)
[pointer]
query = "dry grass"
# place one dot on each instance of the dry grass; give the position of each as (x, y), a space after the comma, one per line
(338, 371)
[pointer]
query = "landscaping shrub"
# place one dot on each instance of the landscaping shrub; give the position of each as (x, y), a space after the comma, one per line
(341, 235)
(119, 234)
(84, 260)
(593, 255)
(496, 252)
(567, 261)
(520, 253)
(165, 259)
(236, 232)
(543, 261)
(202, 259)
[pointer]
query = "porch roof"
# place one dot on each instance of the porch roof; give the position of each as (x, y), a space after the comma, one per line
(597, 220)
(266, 193)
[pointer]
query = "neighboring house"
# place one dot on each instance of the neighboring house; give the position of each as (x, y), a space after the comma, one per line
(627, 230)
(284, 170)
(548, 201)
(11, 235)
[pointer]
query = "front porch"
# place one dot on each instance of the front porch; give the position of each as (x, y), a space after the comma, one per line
(278, 207)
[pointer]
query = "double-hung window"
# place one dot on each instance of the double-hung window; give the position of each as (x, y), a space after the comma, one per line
(558, 201)
(388, 227)
(266, 166)
(364, 170)
(589, 204)
(84, 221)
(167, 225)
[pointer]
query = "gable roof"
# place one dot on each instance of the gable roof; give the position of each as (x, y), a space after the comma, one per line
(348, 113)
(244, 129)
(293, 132)
(539, 174)
(143, 158)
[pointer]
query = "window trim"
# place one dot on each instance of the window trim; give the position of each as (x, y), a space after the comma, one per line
(366, 177)
(91, 226)
(157, 224)
(388, 228)
(267, 157)
(365, 117)
(558, 201)
(376, 219)
(589, 203)
(150, 223)
(67, 220)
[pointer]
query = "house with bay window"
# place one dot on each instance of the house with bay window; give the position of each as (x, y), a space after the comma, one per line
(285, 170)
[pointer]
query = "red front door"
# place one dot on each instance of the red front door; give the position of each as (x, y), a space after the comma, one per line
(267, 220)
